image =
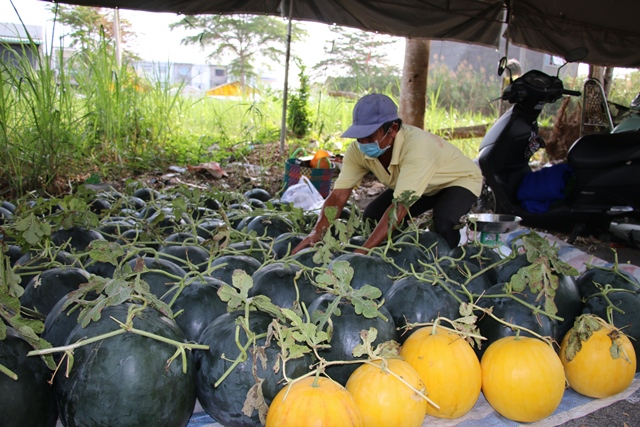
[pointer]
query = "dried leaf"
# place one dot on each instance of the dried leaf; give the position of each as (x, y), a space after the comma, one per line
(213, 168)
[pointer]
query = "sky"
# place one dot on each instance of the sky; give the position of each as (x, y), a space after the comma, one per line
(156, 42)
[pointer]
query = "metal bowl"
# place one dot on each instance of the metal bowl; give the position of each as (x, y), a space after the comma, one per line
(493, 223)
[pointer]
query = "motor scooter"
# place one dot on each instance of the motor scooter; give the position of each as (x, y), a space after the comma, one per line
(599, 183)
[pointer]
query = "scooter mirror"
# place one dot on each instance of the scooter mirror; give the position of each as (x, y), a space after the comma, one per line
(576, 54)
(502, 65)
(635, 104)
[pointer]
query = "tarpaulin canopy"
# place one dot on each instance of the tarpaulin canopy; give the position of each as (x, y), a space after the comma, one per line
(609, 30)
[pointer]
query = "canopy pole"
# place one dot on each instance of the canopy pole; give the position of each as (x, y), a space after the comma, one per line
(502, 105)
(283, 125)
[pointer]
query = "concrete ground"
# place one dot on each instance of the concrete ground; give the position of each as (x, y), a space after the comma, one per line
(625, 413)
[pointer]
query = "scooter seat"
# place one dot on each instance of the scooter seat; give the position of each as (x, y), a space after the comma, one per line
(597, 151)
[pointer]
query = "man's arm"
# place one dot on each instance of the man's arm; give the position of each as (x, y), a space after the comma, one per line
(337, 198)
(382, 229)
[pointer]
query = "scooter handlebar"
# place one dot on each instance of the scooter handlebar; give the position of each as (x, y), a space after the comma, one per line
(571, 92)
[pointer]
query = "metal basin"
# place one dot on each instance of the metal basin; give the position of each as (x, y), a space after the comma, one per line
(493, 223)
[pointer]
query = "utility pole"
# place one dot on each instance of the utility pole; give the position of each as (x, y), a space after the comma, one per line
(116, 33)
(283, 125)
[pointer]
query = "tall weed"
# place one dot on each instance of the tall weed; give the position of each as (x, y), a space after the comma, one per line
(36, 118)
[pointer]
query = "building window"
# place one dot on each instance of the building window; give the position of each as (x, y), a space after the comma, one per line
(554, 61)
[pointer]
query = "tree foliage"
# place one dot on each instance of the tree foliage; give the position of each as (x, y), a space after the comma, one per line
(243, 38)
(91, 25)
(298, 117)
(357, 62)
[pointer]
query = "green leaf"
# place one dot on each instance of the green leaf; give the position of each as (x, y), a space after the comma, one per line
(9, 302)
(243, 282)
(93, 312)
(368, 291)
(550, 306)
(230, 296)
(105, 251)
(120, 296)
(32, 230)
(23, 327)
(9, 280)
(365, 307)
(331, 212)
(296, 351)
(367, 337)
(263, 303)
(140, 286)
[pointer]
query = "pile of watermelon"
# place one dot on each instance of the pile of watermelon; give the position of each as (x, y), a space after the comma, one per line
(153, 299)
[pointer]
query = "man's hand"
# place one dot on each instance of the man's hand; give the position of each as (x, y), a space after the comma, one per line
(380, 232)
(337, 198)
(308, 241)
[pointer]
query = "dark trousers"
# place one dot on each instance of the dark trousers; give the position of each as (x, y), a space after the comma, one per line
(448, 205)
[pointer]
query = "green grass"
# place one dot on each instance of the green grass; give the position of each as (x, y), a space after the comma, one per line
(91, 117)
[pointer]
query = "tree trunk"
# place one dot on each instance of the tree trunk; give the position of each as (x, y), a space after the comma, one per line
(413, 87)
(604, 75)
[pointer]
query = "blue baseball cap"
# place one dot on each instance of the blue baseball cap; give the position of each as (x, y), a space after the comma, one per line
(371, 112)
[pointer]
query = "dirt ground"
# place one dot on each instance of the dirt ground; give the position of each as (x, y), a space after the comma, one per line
(263, 168)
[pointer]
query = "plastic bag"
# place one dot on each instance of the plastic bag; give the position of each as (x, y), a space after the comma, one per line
(303, 195)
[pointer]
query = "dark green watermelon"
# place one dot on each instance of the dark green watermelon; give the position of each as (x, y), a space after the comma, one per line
(112, 229)
(345, 334)
(285, 284)
(481, 255)
(78, 237)
(61, 320)
(196, 306)
(459, 273)
(306, 258)
(409, 257)
(368, 270)
(269, 226)
(209, 228)
(189, 257)
(594, 279)
(126, 380)
(419, 299)
(224, 266)
(286, 242)
(624, 306)
(45, 290)
(254, 248)
(160, 274)
(431, 242)
(259, 194)
(513, 312)
(182, 238)
(224, 403)
(28, 401)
